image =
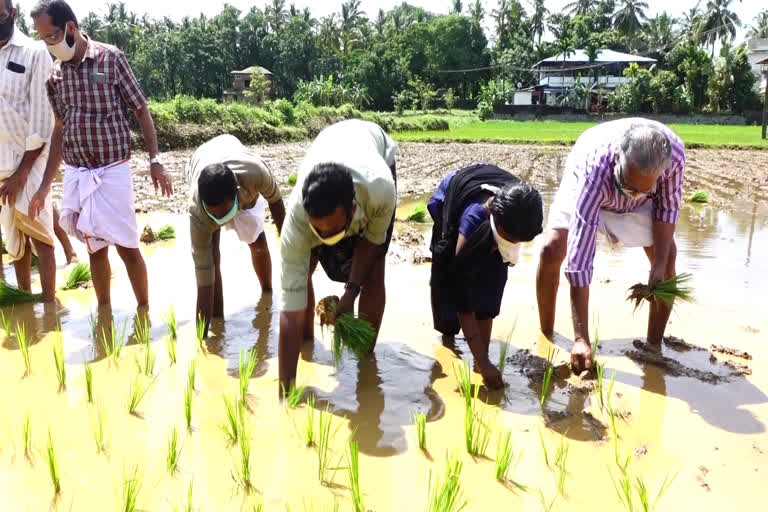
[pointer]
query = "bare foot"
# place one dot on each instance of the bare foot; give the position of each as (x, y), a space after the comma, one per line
(491, 376)
(581, 356)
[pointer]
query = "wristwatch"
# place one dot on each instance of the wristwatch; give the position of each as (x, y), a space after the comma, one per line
(155, 160)
(352, 287)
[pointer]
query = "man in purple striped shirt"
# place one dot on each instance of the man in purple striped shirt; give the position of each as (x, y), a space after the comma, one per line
(624, 179)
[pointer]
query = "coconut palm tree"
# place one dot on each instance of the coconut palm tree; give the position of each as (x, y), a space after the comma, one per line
(630, 16)
(477, 13)
(500, 16)
(690, 24)
(457, 7)
(660, 34)
(275, 14)
(351, 18)
(760, 29)
(719, 23)
(580, 7)
(539, 19)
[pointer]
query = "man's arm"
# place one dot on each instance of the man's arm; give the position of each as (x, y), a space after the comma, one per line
(291, 327)
(663, 236)
(362, 261)
(10, 188)
(51, 168)
(160, 177)
(277, 209)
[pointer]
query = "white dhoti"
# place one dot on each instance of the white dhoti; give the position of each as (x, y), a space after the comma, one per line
(16, 223)
(632, 229)
(97, 206)
(249, 224)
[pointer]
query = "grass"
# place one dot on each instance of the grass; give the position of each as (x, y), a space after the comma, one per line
(88, 381)
(325, 435)
(477, 432)
(418, 214)
(26, 436)
(58, 360)
(420, 420)
(353, 473)
(165, 233)
(464, 380)
(700, 196)
(131, 489)
(113, 342)
(53, 465)
(189, 391)
(675, 288)
(235, 416)
(506, 461)
(309, 428)
(136, 393)
(79, 275)
(353, 333)
(293, 397)
(200, 332)
(566, 133)
(174, 452)
(100, 431)
(23, 343)
(242, 473)
(446, 495)
(11, 295)
(292, 179)
(247, 364)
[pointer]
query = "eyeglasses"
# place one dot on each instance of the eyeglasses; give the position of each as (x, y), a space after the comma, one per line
(53, 38)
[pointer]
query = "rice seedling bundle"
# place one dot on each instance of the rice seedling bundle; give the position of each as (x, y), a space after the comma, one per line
(349, 331)
(420, 420)
(675, 288)
(292, 179)
(418, 214)
(80, 275)
(446, 495)
(11, 295)
(53, 465)
(700, 196)
(23, 343)
(165, 233)
(353, 472)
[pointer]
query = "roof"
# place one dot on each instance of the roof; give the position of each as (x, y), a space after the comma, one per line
(580, 56)
(765, 61)
(251, 70)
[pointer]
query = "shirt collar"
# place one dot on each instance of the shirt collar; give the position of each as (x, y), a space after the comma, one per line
(90, 52)
(17, 38)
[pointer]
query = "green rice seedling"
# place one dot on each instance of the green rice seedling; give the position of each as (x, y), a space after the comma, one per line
(477, 431)
(623, 486)
(544, 448)
(600, 371)
(293, 397)
(53, 465)
(292, 179)
(6, 322)
(23, 342)
(235, 416)
(547, 506)
(675, 288)
(200, 331)
(561, 459)
(700, 196)
(11, 295)
(506, 461)
(545, 383)
(165, 233)
(242, 473)
(247, 364)
(170, 340)
(88, 381)
(353, 472)
(58, 361)
(325, 434)
(503, 350)
(131, 489)
(100, 431)
(420, 420)
(170, 345)
(174, 452)
(648, 504)
(446, 495)
(354, 334)
(464, 380)
(80, 274)
(136, 393)
(309, 427)
(143, 338)
(188, 393)
(26, 436)
(615, 440)
(418, 214)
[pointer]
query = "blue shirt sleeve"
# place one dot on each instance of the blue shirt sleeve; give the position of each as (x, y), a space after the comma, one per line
(472, 216)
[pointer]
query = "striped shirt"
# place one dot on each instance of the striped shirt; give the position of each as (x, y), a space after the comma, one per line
(26, 119)
(92, 98)
(593, 157)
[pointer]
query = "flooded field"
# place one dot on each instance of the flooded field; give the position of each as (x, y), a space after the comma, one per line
(696, 413)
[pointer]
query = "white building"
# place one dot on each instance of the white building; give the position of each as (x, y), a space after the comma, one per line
(758, 52)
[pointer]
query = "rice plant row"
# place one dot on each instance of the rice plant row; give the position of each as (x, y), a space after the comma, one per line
(446, 495)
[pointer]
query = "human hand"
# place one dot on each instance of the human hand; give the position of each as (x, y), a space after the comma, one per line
(161, 179)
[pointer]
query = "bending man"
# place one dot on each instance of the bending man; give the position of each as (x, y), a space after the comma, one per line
(230, 186)
(341, 213)
(481, 215)
(623, 178)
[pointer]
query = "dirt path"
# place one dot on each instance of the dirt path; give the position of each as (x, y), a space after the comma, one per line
(734, 179)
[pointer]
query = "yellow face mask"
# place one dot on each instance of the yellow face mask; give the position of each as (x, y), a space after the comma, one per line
(331, 240)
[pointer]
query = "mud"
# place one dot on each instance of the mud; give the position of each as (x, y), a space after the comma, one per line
(731, 352)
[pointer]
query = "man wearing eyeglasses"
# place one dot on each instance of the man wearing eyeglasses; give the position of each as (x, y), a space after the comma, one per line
(623, 179)
(91, 89)
(26, 123)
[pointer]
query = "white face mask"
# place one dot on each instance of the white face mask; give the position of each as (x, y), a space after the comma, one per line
(510, 252)
(62, 50)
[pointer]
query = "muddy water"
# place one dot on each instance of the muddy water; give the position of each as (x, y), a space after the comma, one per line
(698, 418)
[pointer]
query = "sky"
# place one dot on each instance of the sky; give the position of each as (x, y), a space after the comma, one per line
(176, 9)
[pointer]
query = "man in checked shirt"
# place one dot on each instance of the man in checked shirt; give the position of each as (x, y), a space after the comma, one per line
(624, 179)
(91, 89)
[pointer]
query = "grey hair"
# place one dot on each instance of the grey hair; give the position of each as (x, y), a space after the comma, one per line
(646, 148)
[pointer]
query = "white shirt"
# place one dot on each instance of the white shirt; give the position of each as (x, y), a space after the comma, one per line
(368, 152)
(26, 117)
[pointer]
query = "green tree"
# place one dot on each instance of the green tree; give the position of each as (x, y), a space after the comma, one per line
(759, 29)
(276, 15)
(659, 36)
(630, 16)
(693, 67)
(578, 7)
(719, 23)
(477, 13)
(539, 19)
(258, 88)
(457, 7)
